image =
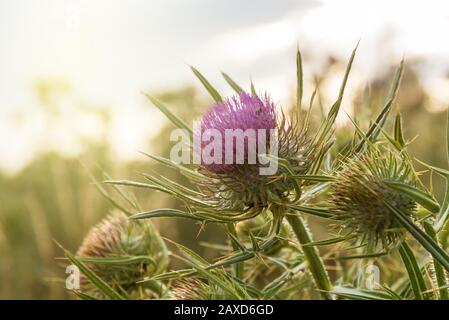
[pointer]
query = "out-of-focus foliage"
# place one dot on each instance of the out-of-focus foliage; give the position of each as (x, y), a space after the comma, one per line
(53, 199)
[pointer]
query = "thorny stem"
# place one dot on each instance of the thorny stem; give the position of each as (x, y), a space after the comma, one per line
(239, 266)
(440, 274)
(314, 261)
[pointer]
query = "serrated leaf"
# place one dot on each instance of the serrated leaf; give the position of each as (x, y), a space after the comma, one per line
(393, 141)
(417, 195)
(314, 178)
(274, 287)
(380, 121)
(137, 184)
(179, 123)
(362, 256)
(398, 132)
(99, 283)
(443, 215)
(170, 275)
(230, 260)
(299, 85)
(105, 193)
(254, 243)
(233, 288)
(232, 83)
(243, 256)
(253, 89)
(192, 254)
(83, 296)
(417, 281)
(361, 294)
(333, 112)
(424, 239)
(122, 260)
(239, 268)
(327, 242)
(165, 213)
(319, 212)
(212, 91)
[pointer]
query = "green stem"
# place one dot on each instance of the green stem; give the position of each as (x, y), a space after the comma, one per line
(440, 275)
(443, 235)
(239, 267)
(315, 263)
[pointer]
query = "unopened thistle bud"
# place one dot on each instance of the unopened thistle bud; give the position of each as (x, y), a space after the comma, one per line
(197, 289)
(359, 194)
(138, 249)
(189, 289)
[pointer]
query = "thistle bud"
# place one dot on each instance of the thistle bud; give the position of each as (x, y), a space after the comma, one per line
(118, 237)
(189, 289)
(197, 289)
(358, 196)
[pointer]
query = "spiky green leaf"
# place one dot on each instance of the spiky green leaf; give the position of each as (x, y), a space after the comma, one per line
(212, 91)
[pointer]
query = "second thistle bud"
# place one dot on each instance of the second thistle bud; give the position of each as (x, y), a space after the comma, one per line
(360, 192)
(122, 252)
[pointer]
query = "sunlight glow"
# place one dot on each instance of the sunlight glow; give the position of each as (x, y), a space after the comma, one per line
(110, 53)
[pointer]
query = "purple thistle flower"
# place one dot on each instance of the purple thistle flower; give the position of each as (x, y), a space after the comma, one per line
(243, 112)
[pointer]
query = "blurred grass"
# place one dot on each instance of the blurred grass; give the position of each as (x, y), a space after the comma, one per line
(52, 198)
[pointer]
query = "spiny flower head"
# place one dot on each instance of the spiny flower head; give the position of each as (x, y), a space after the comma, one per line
(189, 289)
(241, 186)
(240, 112)
(197, 289)
(116, 237)
(359, 194)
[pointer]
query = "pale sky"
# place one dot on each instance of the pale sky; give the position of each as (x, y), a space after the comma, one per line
(111, 50)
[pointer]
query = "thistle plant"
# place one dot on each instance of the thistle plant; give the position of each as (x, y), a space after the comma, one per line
(368, 192)
(229, 193)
